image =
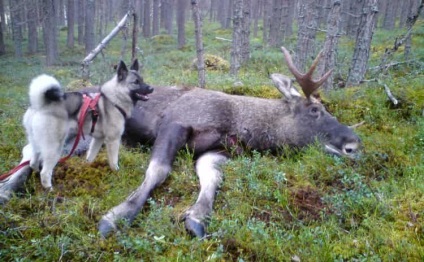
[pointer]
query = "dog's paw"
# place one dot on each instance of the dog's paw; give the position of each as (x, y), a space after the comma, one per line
(47, 185)
(114, 167)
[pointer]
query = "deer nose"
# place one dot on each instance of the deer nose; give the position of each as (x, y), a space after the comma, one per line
(351, 148)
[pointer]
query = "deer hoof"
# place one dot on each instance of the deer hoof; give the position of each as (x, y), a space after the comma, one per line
(106, 227)
(194, 227)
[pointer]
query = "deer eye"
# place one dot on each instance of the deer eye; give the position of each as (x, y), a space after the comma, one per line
(314, 110)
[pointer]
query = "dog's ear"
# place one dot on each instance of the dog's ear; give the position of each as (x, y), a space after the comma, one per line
(135, 65)
(122, 71)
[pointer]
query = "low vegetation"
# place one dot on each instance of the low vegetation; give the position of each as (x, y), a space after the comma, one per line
(301, 205)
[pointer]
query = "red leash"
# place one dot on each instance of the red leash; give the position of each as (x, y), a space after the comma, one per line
(88, 102)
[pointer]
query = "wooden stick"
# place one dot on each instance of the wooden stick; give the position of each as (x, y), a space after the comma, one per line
(102, 45)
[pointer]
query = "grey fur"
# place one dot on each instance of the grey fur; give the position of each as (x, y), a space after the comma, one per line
(54, 115)
(211, 122)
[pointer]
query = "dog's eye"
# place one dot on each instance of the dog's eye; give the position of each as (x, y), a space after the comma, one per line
(137, 82)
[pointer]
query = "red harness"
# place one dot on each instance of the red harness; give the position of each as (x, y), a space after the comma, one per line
(88, 103)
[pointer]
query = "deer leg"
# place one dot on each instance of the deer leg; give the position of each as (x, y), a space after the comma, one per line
(210, 175)
(169, 140)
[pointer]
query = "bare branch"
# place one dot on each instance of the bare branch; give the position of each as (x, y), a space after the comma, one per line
(103, 44)
(223, 39)
(389, 93)
(357, 125)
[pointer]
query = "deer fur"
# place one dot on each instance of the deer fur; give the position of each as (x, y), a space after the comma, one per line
(212, 124)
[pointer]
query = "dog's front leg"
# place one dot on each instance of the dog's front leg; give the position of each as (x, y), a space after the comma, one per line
(93, 150)
(113, 152)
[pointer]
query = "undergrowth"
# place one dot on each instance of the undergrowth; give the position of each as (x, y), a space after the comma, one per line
(269, 208)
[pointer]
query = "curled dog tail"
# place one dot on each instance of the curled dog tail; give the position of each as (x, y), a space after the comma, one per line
(43, 90)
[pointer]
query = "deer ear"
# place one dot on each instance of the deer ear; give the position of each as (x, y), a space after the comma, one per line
(135, 65)
(122, 71)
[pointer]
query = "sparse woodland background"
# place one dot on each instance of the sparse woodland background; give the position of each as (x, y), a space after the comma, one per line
(300, 206)
(31, 23)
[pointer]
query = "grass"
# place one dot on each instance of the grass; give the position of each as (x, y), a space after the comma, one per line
(269, 208)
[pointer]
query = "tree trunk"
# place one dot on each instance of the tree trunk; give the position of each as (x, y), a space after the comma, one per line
(16, 21)
(267, 10)
(81, 21)
(237, 37)
(168, 9)
(307, 21)
(390, 15)
(415, 9)
(155, 20)
(245, 33)
(2, 17)
(404, 12)
(181, 6)
(134, 37)
(90, 40)
(139, 11)
(256, 10)
(223, 12)
(288, 10)
(275, 32)
(229, 14)
(32, 22)
(363, 43)
(330, 44)
(146, 18)
(2, 45)
(199, 43)
(323, 7)
(60, 12)
(50, 32)
(354, 17)
(70, 16)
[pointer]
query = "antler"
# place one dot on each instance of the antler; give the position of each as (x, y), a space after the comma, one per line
(305, 81)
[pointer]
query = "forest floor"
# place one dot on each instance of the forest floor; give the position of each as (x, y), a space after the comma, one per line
(304, 204)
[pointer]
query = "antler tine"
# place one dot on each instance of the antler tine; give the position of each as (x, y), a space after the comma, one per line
(309, 86)
(290, 63)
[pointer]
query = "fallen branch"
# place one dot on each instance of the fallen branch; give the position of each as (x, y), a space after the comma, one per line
(102, 45)
(389, 93)
(387, 66)
(357, 125)
(223, 39)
